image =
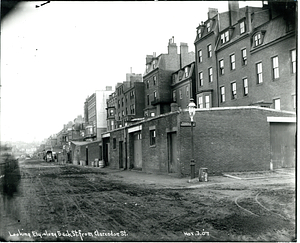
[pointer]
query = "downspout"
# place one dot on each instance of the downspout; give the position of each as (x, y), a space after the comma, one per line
(217, 70)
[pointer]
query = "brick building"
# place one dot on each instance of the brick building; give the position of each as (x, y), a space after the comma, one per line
(158, 76)
(126, 104)
(247, 56)
(183, 85)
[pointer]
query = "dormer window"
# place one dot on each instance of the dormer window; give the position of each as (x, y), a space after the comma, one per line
(154, 64)
(199, 33)
(257, 39)
(208, 27)
(225, 37)
(186, 72)
(242, 27)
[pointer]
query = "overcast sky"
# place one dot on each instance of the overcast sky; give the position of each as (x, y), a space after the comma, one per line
(55, 56)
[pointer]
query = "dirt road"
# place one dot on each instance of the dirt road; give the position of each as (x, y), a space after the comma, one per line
(72, 203)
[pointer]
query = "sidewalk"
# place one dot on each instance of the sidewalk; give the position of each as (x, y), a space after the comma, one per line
(172, 182)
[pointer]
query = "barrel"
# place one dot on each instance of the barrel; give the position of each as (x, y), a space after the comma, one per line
(101, 163)
(96, 162)
(203, 174)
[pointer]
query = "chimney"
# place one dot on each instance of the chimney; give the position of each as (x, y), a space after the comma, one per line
(184, 50)
(212, 12)
(233, 8)
(172, 47)
(149, 59)
(248, 19)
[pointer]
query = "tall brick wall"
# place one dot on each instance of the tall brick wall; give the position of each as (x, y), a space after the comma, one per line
(225, 140)
(93, 152)
(228, 140)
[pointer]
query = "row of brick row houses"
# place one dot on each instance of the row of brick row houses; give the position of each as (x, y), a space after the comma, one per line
(242, 77)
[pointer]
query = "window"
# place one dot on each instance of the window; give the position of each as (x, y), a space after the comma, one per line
(242, 27)
(259, 77)
(209, 53)
(232, 62)
(225, 37)
(200, 102)
(152, 137)
(114, 143)
(257, 39)
(233, 91)
(154, 94)
(133, 109)
(199, 33)
(147, 84)
(152, 114)
(187, 91)
(293, 60)
(123, 113)
(210, 75)
(200, 55)
(119, 104)
(154, 80)
(275, 67)
(186, 72)
(154, 64)
(245, 86)
(174, 95)
(277, 104)
(208, 27)
(200, 79)
(221, 67)
(180, 94)
(207, 101)
(222, 89)
(122, 102)
(244, 57)
(148, 100)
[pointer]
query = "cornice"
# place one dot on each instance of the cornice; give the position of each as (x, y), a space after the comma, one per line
(233, 42)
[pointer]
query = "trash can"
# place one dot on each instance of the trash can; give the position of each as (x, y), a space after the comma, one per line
(203, 174)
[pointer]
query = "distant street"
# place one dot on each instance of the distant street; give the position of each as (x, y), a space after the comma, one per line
(73, 203)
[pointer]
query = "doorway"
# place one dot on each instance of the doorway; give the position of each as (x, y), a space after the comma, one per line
(172, 152)
(120, 154)
(137, 148)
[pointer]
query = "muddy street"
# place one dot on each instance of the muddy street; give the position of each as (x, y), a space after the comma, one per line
(75, 203)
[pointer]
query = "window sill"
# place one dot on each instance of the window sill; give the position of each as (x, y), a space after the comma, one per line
(153, 146)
